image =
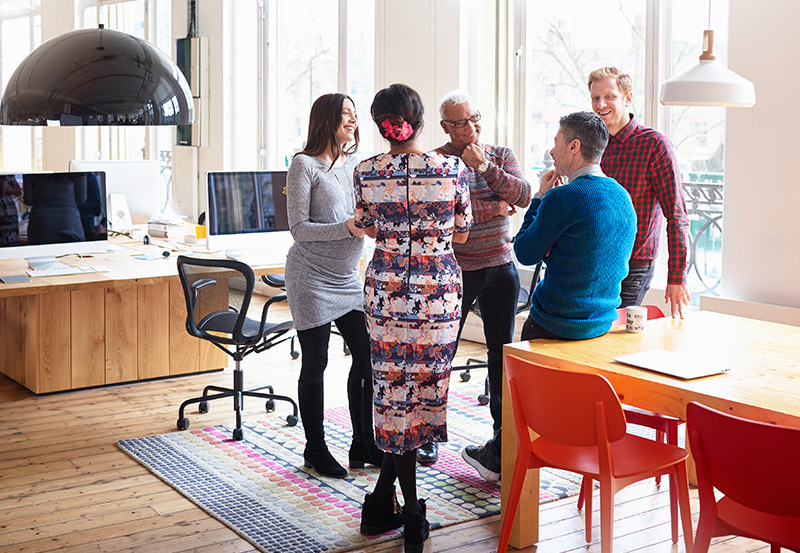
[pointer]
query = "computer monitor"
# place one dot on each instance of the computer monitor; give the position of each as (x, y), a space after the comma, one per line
(247, 213)
(139, 181)
(47, 215)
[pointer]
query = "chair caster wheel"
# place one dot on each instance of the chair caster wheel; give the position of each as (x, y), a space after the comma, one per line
(238, 434)
(483, 399)
(183, 423)
(203, 407)
(465, 376)
(291, 420)
(270, 407)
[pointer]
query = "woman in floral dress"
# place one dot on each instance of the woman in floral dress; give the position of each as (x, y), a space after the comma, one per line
(415, 205)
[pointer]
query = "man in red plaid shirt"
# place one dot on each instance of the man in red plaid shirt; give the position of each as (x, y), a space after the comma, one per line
(642, 160)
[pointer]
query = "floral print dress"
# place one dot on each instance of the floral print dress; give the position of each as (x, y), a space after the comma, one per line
(412, 290)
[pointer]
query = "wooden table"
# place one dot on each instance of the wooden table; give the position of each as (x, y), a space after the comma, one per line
(763, 383)
(67, 332)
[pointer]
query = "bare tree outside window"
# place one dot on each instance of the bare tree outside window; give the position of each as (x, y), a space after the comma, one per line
(566, 40)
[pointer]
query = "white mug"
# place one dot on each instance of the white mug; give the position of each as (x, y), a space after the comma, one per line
(635, 316)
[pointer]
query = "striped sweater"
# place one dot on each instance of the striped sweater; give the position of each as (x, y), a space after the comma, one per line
(489, 242)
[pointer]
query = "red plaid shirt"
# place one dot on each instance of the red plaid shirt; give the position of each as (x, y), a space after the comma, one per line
(643, 161)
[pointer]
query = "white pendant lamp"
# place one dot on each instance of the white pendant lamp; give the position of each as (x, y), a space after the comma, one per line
(708, 84)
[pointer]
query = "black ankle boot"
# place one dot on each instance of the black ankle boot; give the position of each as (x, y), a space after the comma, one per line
(416, 530)
(363, 450)
(323, 462)
(316, 455)
(365, 454)
(380, 514)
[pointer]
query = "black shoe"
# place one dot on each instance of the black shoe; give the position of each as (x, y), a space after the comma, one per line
(364, 454)
(416, 530)
(379, 515)
(483, 460)
(428, 454)
(323, 462)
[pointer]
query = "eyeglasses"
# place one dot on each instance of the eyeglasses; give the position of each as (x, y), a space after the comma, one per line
(459, 123)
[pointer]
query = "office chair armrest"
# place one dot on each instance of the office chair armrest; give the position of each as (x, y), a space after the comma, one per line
(197, 285)
(277, 298)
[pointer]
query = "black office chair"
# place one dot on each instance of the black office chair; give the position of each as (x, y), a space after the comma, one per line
(278, 280)
(218, 294)
(523, 304)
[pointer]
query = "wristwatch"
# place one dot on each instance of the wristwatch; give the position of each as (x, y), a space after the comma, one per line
(483, 167)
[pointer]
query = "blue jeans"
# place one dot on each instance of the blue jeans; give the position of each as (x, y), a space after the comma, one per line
(496, 290)
(636, 285)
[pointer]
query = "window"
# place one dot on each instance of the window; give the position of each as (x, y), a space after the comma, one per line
(20, 33)
(331, 51)
(698, 134)
(147, 19)
(565, 40)
(152, 21)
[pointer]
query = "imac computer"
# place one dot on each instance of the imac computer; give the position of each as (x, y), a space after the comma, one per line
(135, 185)
(48, 215)
(246, 214)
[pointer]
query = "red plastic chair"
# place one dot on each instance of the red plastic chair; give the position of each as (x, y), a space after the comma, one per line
(666, 427)
(756, 473)
(582, 429)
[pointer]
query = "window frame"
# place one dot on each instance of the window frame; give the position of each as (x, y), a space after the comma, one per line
(658, 67)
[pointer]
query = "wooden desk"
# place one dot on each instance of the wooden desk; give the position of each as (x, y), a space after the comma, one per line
(128, 324)
(764, 382)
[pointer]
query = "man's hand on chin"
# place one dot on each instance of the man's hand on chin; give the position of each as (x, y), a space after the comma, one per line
(473, 155)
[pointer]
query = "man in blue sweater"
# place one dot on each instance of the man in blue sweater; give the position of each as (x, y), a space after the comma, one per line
(584, 232)
(582, 224)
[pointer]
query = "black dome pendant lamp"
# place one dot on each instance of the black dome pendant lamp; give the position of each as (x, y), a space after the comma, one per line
(97, 77)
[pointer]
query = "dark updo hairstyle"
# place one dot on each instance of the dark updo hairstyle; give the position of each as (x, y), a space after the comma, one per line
(323, 122)
(398, 104)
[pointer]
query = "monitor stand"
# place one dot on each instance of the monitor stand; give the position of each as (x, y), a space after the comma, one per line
(237, 254)
(44, 262)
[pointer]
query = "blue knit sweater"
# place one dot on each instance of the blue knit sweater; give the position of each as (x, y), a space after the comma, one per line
(584, 232)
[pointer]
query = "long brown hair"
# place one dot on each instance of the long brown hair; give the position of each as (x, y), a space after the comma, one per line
(324, 120)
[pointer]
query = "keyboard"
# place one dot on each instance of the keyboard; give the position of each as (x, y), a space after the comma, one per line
(66, 270)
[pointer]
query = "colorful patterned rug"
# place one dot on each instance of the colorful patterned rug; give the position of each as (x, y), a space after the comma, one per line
(260, 488)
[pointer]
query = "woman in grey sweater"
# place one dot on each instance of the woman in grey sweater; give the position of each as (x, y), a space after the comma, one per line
(323, 283)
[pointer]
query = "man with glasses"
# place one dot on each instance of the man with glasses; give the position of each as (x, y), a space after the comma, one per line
(496, 187)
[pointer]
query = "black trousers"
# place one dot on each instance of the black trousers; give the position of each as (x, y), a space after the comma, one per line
(496, 290)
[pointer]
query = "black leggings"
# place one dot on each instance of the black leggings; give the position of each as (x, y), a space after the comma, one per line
(310, 386)
(314, 348)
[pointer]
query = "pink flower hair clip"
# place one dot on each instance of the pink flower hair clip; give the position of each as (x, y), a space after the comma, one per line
(396, 131)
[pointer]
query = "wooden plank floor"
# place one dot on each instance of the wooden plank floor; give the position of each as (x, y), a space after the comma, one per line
(64, 484)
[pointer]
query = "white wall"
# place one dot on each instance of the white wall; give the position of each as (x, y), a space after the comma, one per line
(427, 61)
(761, 234)
(229, 25)
(442, 53)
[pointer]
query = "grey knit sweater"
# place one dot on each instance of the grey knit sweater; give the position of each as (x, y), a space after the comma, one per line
(322, 278)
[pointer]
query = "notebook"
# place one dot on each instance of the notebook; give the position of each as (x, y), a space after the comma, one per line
(673, 364)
